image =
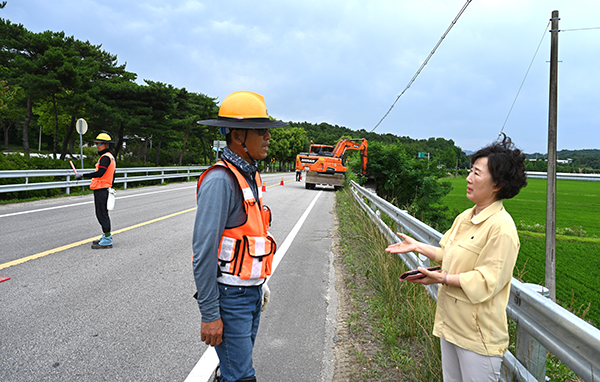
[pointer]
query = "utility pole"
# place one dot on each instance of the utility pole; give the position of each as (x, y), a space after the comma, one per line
(456, 168)
(551, 185)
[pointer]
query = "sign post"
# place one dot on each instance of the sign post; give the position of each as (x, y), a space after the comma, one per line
(217, 145)
(81, 127)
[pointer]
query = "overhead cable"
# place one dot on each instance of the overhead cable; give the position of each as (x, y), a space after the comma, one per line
(425, 62)
(579, 29)
(536, 51)
(524, 78)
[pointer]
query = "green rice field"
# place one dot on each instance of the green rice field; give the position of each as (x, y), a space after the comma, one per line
(577, 249)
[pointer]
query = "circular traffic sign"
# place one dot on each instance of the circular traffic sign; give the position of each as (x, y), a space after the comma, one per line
(81, 126)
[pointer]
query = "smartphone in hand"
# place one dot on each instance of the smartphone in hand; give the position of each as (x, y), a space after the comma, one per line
(416, 274)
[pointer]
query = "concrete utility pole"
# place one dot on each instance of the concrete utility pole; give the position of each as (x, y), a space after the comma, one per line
(551, 185)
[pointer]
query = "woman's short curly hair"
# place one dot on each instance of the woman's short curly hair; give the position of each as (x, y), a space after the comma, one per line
(506, 164)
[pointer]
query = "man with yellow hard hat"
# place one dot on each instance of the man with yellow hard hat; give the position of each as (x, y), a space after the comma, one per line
(102, 180)
(233, 250)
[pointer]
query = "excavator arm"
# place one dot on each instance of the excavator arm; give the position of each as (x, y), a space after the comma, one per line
(353, 144)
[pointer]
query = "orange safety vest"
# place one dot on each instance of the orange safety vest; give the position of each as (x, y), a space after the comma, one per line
(106, 180)
(246, 251)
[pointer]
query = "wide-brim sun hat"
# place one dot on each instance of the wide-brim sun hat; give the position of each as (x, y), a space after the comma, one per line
(243, 110)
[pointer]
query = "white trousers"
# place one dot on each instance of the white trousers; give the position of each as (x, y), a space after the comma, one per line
(461, 365)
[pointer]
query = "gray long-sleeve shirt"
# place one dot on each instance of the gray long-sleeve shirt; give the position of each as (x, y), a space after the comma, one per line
(220, 206)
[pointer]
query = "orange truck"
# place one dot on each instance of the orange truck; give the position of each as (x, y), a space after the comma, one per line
(327, 164)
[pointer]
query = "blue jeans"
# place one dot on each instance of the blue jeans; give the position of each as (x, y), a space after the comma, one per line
(240, 312)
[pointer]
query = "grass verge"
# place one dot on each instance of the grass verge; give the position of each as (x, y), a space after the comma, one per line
(389, 321)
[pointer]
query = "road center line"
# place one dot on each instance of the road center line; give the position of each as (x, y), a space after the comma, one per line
(78, 243)
(209, 361)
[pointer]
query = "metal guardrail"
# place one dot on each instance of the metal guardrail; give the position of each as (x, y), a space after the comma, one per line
(165, 173)
(541, 323)
(565, 176)
(133, 174)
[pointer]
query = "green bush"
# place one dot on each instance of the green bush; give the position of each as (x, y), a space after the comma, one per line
(409, 183)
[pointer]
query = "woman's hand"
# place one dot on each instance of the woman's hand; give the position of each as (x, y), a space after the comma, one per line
(431, 277)
(407, 244)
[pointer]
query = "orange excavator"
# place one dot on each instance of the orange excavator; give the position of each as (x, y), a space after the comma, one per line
(327, 164)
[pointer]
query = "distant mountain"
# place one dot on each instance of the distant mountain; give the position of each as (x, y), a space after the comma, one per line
(535, 156)
(468, 152)
(580, 153)
(564, 154)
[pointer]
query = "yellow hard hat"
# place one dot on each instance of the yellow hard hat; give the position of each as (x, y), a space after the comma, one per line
(243, 110)
(243, 105)
(103, 137)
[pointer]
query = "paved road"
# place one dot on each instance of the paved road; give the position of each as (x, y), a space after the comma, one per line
(71, 313)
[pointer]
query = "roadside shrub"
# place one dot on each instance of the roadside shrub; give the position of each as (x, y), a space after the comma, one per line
(410, 184)
(18, 162)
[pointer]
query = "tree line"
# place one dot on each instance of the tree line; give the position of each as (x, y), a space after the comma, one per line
(49, 80)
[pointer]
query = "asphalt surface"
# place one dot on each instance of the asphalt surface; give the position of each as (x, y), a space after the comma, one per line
(70, 313)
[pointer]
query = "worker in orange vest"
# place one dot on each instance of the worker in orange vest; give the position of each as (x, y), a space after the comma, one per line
(233, 250)
(102, 180)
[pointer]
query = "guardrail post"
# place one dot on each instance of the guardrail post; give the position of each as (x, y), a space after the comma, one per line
(162, 179)
(68, 189)
(125, 183)
(530, 352)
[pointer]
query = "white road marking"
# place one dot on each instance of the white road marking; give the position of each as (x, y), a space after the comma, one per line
(209, 361)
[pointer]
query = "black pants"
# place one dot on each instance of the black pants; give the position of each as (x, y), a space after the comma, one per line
(100, 200)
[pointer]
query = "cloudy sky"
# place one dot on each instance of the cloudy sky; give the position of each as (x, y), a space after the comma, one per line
(344, 62)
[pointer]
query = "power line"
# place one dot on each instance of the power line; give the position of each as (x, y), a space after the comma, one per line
(524, 78)
(425, 62)
(536, 51)
(580, 29)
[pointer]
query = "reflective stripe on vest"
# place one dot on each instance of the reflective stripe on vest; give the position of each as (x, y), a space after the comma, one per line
(246, 251)
(106, 180)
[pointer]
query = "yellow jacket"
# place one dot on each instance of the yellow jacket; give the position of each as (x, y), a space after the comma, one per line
(483, 251)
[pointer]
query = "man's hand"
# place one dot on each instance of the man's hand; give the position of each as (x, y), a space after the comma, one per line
(211, 333)
(79, 176)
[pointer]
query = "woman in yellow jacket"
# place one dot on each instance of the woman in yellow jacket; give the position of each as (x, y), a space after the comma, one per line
(477, 257)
